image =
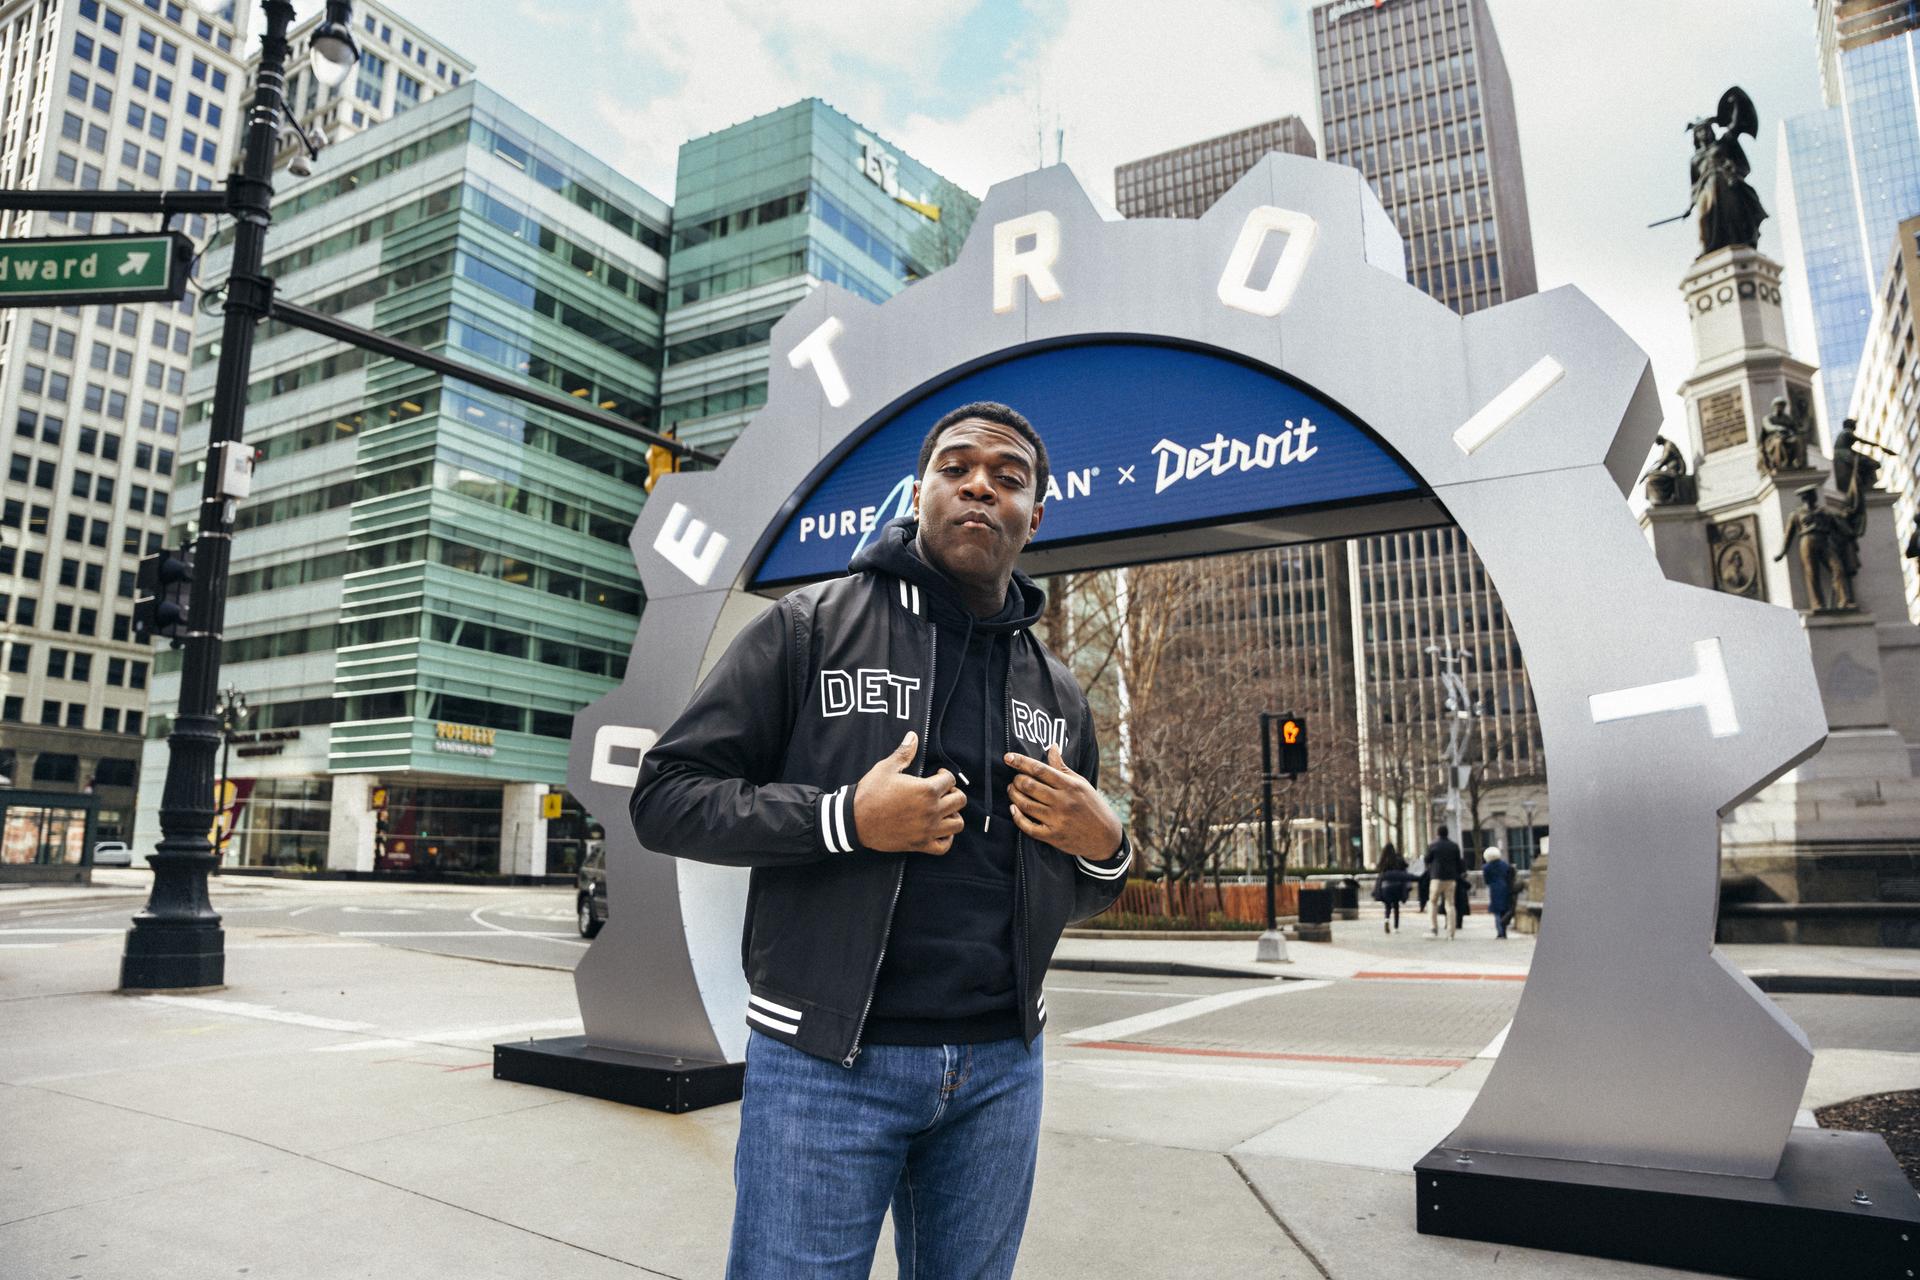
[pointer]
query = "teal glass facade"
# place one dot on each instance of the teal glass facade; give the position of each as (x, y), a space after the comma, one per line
(763, 211)
(430, 579)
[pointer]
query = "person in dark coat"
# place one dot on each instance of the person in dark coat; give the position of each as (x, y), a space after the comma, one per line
(1499, 874)
(1392, 884)
(1444, 864)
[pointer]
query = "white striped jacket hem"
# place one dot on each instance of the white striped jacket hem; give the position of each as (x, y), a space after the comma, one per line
(777, 1016)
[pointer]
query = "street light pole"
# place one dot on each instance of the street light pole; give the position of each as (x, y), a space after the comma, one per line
(1272, 947)
(176, 942)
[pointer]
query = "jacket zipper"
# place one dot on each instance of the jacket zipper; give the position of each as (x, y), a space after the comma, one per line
(900, 874)
(1023, 941)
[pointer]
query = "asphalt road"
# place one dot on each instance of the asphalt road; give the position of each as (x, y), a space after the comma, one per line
(1371, 1021)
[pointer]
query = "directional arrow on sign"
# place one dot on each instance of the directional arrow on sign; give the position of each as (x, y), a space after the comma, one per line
(135, 263)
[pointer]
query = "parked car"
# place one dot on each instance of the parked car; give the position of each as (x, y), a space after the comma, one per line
(112, 853)
(590, 900)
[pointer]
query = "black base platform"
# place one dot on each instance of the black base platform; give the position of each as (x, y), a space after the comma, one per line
(1808, 1220)
(570, 1064)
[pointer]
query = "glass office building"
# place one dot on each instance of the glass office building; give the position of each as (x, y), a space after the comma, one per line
(430, 579)
(1415, 94)
(764, 211)
(121, 95)
(1849, 174)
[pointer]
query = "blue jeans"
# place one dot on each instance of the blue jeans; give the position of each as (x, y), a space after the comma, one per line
(947, 1134)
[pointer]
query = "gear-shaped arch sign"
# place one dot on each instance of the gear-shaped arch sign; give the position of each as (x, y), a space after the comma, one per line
(1661, 705)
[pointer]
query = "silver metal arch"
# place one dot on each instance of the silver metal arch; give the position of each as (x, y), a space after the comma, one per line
(1661, 705)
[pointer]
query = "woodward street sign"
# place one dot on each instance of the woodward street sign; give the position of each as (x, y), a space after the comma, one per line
(49, 271)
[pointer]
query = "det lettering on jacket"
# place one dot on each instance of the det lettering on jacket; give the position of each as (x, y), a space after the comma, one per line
(866, 689)
(1033, 726)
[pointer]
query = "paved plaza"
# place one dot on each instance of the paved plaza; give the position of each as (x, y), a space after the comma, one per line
(332, 1112)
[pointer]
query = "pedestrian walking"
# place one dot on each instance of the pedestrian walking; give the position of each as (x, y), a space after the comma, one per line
(1445, 865)
(907, 892)
(1391, 885)
(1424, 877)
(1499, 876)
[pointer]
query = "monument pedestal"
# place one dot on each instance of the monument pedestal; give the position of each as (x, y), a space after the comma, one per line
(1838, 1206)
(1830, 852)
(659, 1083)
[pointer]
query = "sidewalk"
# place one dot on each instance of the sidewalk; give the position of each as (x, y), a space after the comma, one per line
(1361, 947)
(332, 1113)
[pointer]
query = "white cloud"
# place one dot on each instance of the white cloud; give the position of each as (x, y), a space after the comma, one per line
(704, 67)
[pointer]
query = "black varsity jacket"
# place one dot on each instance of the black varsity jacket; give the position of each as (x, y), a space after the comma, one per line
(759, 772)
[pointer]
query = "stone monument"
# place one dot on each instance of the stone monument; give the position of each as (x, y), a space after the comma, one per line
(1824, 853)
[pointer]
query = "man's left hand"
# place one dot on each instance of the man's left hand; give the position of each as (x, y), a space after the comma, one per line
(1057, 806)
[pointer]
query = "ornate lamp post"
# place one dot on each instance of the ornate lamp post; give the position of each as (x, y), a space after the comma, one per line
(176, 942)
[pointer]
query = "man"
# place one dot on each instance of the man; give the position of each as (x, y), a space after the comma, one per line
(1445, 863)
(911, 776)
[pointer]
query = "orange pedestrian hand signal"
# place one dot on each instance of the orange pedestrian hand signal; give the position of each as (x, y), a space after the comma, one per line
(1290, 732)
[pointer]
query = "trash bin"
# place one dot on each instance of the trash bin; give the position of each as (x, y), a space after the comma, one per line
(1346, 898)
(1316, 906)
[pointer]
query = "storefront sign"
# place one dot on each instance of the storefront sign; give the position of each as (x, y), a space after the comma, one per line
(463, 739)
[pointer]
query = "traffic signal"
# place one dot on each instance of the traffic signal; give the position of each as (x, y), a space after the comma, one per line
(1293, 745)
(165, 590)
(661, 461)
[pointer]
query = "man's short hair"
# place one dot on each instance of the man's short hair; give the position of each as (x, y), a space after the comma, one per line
(1443, 832)
(1000, 415)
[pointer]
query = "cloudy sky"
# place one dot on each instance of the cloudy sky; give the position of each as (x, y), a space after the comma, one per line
(1602, 92)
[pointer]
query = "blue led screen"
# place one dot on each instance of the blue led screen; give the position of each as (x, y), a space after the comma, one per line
(1141, 437)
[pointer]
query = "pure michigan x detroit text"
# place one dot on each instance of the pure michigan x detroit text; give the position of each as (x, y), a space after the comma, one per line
(1173, 463)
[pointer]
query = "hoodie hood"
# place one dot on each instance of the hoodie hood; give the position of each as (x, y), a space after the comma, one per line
(891, 552)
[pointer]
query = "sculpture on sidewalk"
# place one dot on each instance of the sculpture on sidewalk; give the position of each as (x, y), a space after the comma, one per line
(1667, 480)
(1728, 210)
(1829, 552)
(1783, 440)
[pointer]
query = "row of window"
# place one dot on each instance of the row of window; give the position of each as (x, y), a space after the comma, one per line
(77, 665)
(34, 519)
(92, 439)
(73, 619)
(408, 49)
(111, 21)
(13, 710)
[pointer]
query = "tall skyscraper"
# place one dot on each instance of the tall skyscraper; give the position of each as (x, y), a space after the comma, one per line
(98, 95)
(1415, 94)
(764, 211)
(429, 579)
(1288, 604)
(1849, 173)
(400, 67)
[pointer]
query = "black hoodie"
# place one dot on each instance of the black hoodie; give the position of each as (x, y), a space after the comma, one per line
(949, 974)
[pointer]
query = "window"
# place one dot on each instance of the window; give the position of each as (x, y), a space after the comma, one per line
(59, 386)
(189, 141)
(90, 577)
(130, 154)
(136, 497)
(89, 440)
(63, 343)
(133, 723)
(43, 475)
(143, 456)
(49, 714)
(208, 150)
(116, 671)
(11, 710)
(77, 86)
(72, 127)
(112, 22)
(89, 622)
(65, 167)
(69, 572)
(169, 52)
(122, 624)
(137, 675)
(148, 41)
(56, 664)
(136, 115)
(122, 363)
(96, 533)
(213, 114)
(110, 447)
(220, 81)
(163, 88)
(76, 715)
(102, 98)
(96, 139)
(159, 506)
(109, 59)
(157, 126)
(23, 613)
(103, 488)
(40, 335)
(197, 68)
(63, 617)
(109, 721)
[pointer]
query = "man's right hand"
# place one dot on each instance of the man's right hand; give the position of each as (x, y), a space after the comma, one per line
(898, 812)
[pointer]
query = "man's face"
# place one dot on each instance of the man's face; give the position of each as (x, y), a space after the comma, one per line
(976, 502)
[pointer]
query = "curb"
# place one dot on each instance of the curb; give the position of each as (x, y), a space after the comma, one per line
(1833, 984)
(1165, 968)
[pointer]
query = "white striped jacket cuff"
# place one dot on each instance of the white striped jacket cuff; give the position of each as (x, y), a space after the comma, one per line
(1112, 868)
(836, 819)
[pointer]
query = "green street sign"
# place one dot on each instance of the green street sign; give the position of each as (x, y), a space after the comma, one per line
(55, 270)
